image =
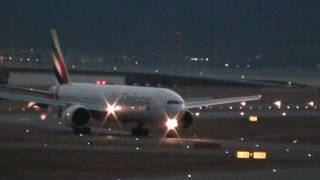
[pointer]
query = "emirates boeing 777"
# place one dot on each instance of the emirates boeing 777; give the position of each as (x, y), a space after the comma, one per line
(81, 103)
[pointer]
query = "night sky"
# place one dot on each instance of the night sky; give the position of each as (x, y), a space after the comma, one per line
(282, 30)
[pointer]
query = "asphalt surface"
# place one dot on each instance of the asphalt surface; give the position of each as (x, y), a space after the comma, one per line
(32, 148)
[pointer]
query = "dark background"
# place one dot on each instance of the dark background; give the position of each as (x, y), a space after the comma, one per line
(276, 31)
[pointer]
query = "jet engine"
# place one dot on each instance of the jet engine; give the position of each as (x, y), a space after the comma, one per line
(76, 116)
(187, 120)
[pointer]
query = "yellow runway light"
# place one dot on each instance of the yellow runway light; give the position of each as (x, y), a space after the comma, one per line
(253, 118)
(259, 155)
(251, 155)
(243, 154)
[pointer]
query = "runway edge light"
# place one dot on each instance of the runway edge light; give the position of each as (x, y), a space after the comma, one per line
(253, 118)
(259, 155)
(243, 154)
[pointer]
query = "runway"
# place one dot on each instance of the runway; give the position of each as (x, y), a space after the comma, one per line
(32, 148)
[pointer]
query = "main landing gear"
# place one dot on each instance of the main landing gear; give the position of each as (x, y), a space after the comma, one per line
(83, 130)
(139, 131)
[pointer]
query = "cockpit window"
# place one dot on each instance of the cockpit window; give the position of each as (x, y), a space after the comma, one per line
(173, 102)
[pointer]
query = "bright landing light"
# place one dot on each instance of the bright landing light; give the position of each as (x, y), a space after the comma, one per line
(171, 124)
(113, 108)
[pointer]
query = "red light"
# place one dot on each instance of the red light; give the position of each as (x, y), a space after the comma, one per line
(101, 82)
(43, 116)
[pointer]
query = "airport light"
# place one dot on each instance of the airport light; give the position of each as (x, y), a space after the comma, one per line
(259, 155)
(243, 154)
(172, 124)
(253, 118)
(311, 103)
(243, 103)
(278, 104)
(43, 116)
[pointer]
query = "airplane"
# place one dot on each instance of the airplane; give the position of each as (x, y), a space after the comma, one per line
(80, 103)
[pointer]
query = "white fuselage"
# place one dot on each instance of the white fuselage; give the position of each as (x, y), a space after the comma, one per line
(133, 104)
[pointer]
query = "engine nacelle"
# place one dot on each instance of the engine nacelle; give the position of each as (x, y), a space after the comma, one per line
(76, 116)
(187, 120)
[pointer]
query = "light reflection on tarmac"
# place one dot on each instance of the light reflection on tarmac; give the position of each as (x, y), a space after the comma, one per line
(106, 140)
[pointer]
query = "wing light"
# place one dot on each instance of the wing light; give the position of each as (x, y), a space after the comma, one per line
(111, 109)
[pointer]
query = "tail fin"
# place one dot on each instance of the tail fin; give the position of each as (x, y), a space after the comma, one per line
(60, 69)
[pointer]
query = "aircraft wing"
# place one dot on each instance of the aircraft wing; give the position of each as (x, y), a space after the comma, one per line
(213, 102)
(32, 98)
(40, 97)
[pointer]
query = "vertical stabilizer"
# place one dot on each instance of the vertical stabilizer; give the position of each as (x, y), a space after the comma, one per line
(59, 66)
